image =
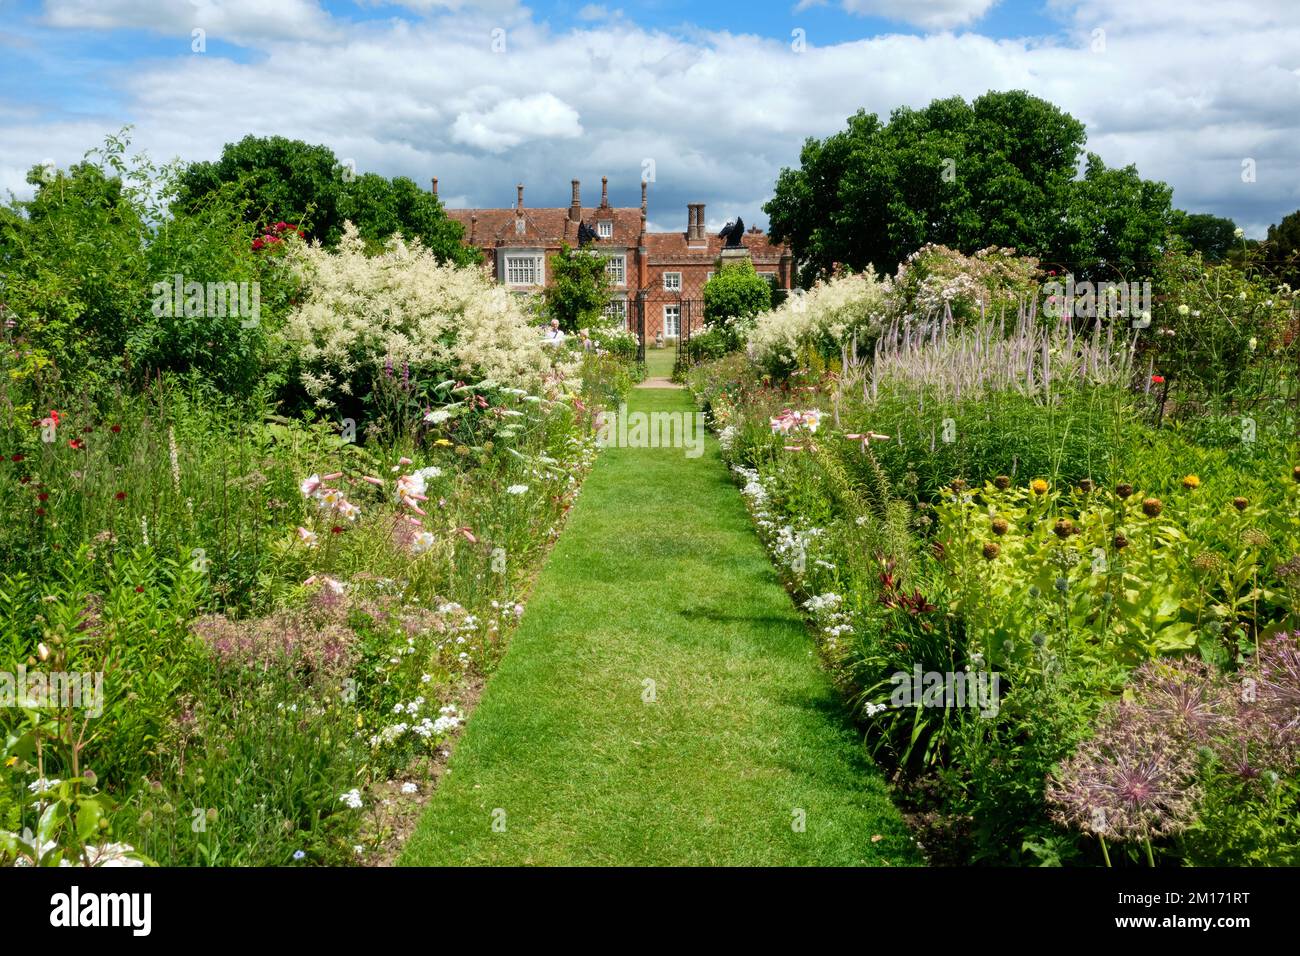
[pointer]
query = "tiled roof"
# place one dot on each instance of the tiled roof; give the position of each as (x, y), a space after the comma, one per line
(671, 246)
(551, 227)
(548, 226)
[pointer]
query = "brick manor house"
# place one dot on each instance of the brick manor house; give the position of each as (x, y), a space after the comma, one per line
(661, 273)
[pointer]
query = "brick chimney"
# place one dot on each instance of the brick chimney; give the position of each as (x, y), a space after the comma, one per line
(473, 222)
(519, 203)
(695, 222)
(435, 185)
(575, 204)
(604, 192)
(643, 195)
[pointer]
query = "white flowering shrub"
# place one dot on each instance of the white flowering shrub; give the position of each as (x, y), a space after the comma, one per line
(821, 319)
(360, 313)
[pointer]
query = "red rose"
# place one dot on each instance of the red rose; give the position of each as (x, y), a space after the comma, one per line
(281, 226)
(257, 243)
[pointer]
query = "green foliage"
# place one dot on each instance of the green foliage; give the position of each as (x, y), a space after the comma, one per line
(1283, 249)
(1223, 336)
(279, 179)
(999, 171)
(1212, 236)
(579, 289)
(733, 295)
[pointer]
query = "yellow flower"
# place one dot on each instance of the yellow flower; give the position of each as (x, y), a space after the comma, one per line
(1038, 486)
(11, 761)
(1191, 482)
(442, 441)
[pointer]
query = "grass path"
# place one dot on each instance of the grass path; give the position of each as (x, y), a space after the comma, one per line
(658, 576)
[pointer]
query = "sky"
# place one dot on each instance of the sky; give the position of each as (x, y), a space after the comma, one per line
(709, 99)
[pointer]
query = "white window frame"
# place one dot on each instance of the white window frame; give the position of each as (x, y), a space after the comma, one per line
(771, 277)
(617, 273)
(605, 229)
(675, 310)
(708, 277)
(536, 265)
(617, 307)
(673, 286)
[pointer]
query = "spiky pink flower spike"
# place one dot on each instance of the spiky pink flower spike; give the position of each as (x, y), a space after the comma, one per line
(377, 482)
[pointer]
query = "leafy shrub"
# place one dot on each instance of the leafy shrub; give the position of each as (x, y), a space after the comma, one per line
(823, 319)
(403, 307)
(935, 280)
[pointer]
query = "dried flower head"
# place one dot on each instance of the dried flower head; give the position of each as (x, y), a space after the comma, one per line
(1002, 482)
(1063, 528)
(1120, 542)
(1241, 504)
(1123, 490)
(1000, 526)
(1255, 538)
(991, 550)
(1151, 507)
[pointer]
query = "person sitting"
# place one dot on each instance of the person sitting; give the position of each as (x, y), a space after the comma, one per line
(554, 335)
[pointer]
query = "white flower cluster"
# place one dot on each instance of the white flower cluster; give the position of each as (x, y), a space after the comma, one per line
(727, 439)
(824, 316)
(405, 307)
(427, 728)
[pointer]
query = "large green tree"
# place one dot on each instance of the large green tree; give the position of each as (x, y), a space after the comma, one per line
(1214, 237)
(289, 180)
(1001, 170)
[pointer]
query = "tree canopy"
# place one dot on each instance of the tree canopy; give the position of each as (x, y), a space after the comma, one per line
(287, 179)
(1002, 170)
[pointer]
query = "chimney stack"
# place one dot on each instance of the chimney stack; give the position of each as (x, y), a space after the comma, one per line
(643, 195)
(473, 222)
(575, 204)
(604, 192)
(435, 185)
(520, 200)
(695, 222)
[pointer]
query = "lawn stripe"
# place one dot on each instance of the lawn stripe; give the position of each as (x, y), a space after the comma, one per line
(659, 575)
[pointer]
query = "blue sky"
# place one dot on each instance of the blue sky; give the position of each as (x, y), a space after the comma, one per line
(715, 94)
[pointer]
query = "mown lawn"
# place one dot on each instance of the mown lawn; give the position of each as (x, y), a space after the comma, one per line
(658, 577)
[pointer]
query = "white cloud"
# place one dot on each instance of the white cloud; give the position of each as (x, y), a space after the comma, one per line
(514, 121)
(239, 21)
(1183, 94)
(930, 14)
